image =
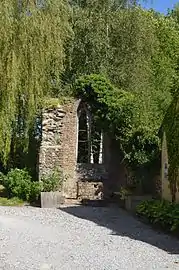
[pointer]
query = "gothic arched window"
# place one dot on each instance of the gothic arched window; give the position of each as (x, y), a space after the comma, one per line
(90, 137)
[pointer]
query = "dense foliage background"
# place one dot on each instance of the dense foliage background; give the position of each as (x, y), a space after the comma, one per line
(128, 54)
(137, 51)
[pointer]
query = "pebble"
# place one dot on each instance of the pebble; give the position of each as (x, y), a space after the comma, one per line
(81, 238)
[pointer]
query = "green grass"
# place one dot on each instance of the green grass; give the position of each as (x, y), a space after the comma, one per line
(11, 202)
(4, 201)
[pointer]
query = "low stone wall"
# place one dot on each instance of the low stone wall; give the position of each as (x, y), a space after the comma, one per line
(51, 199)
(89, 190)
(90, 178)
(91, 172)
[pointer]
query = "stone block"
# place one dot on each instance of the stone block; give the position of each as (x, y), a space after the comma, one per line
(51, 199)
(89, 190)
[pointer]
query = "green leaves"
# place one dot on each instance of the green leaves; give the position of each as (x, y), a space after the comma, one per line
(53, 181)
(18, 183)
(32, 40)
(116, 113)
(137, 50)
(171, 127)
(108, 103)
(171, 120)
(163, 213)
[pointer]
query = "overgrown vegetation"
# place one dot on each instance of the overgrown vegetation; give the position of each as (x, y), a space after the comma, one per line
(171, 127)
(162, 213)
(116, 114)
(52, 181)
(117, 56)
(171, 122)
(18, 183)
(137, 51)
(32, 39)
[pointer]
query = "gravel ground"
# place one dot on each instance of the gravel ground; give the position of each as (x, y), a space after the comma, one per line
(81, 238)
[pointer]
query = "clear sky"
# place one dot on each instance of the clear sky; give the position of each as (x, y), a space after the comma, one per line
(160, 5)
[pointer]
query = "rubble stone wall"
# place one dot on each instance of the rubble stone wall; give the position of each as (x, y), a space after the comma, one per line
(51, 153)
(59, 148)
(69, 141)
(59, 144)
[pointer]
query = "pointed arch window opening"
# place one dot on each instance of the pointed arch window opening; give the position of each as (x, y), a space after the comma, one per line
(90, 137)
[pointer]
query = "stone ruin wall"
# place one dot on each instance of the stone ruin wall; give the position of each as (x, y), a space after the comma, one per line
(58, 146)
(69, 148)
(59, 150)
(90, 180)
(50, 150)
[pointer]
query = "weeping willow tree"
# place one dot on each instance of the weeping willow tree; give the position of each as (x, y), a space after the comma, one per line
(32, 38)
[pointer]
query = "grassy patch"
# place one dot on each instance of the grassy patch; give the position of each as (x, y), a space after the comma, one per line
(11, 202)
(4, 201)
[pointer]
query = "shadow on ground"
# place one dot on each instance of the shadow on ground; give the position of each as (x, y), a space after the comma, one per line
(122, 224)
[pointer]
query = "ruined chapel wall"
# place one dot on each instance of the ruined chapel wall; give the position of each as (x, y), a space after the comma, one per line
(59, 144)
(69, 146)
(50, 156)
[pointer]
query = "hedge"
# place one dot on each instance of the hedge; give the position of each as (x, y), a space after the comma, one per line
(160, 212)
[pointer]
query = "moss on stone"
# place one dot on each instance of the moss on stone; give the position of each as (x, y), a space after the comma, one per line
(52, 103)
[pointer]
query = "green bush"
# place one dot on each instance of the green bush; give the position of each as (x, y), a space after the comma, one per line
(35, 191)
(52, 181)
(124, 192)
(163, 213)
(18, 183)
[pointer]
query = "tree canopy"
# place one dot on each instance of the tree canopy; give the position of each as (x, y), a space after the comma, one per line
(137, 51)
(130, 55)
(32, 39)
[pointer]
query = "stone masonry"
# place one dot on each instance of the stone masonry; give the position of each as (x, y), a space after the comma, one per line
(51, 151)
(69, 145)
(59, 149)
(58, 146)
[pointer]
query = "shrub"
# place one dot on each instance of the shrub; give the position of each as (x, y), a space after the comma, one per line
(163, 213)
(35, 191)
(124, 192)
(52, 181)
(18, 183)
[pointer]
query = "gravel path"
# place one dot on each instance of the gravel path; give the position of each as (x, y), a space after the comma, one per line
(81, 238)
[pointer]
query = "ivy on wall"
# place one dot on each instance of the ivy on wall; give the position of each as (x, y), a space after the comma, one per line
(171, 127)
(116, 112)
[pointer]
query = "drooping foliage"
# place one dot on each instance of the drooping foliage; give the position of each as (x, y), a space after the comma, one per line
(32, 38)
(135, 49)
(90, 50)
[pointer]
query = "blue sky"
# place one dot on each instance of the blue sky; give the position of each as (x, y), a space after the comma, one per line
(160, 5)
